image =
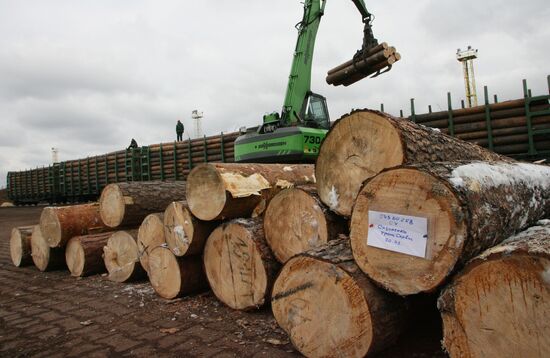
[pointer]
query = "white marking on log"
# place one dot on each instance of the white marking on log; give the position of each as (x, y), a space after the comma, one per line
(240, 186)
(333, 198)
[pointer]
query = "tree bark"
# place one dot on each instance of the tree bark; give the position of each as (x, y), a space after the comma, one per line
(173, 276)
(185, 234)
(20, 246)
(296, 221)
(150, 236)
(499, 305)
(84, 254)
(60, 224)
(46, 258)
(330, 308)
(219, 191)
(365, 142)
(239, 265)
(121, 257)
(125, 205)
(469, 207)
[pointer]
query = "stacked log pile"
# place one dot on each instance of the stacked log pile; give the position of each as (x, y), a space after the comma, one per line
(363, 64)
(420, 207)
(507, 125)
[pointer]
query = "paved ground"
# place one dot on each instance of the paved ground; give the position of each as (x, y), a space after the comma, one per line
(55, 315)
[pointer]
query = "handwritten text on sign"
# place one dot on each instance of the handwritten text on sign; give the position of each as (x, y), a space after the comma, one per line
(399, 233)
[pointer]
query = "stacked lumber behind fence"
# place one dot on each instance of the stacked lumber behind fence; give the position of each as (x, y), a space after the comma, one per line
(330, 308)
(365, 142)
(499, 305)
(469, 207)
(505, 122)
(84, 179)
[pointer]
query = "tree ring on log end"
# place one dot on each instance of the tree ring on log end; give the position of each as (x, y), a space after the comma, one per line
(357, 147)
(50, 226)
(40, 249)
(178, 228)
(495, 300)
(16, 247)
(414, 193)
(112, 205)
(322, 308)
(294, 223)
(120, 256)
(206, 194)
(75, 257)
(234, 267)
(164, 272)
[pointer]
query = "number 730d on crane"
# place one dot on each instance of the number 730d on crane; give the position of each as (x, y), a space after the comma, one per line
(296, 133)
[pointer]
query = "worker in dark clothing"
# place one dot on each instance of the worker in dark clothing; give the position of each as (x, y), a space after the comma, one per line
(133, 144)
(179, 131)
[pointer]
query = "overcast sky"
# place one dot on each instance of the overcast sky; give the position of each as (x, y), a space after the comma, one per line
(86, 76)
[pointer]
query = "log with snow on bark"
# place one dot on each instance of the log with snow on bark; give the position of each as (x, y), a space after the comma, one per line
(412, 225)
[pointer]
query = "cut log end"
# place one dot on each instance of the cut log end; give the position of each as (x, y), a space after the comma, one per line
(121, 257)
(44, 257)
(234, 267)
(20, 246)
(206, 192)
(414, 193)
(75, 257)
(150, 236)
(112, 205)
(497, 300)
(172, 277)
(178, 228)
(50, 226)
(346, 160)
(305, 301)
(294, 222)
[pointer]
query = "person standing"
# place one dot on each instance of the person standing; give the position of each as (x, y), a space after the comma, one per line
(179, 131)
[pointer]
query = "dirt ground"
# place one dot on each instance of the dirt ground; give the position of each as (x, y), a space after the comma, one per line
(55, 315)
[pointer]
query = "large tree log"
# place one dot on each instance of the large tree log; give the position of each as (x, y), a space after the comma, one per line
(121, 257)
(84, 254)
(296, 221)
(150, 236)
(184, 233)
(172, 277)
(330, 308)
(45, 258)
(499, 305)
(60, 224)
(363, 143)
(469, 207)
(218, 191)
(239, 265)
(20, 245)
(127, 204)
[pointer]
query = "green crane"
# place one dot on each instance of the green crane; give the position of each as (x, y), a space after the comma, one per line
(296, 133)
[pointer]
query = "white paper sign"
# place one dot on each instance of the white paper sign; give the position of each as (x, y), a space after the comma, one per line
(399, 233)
